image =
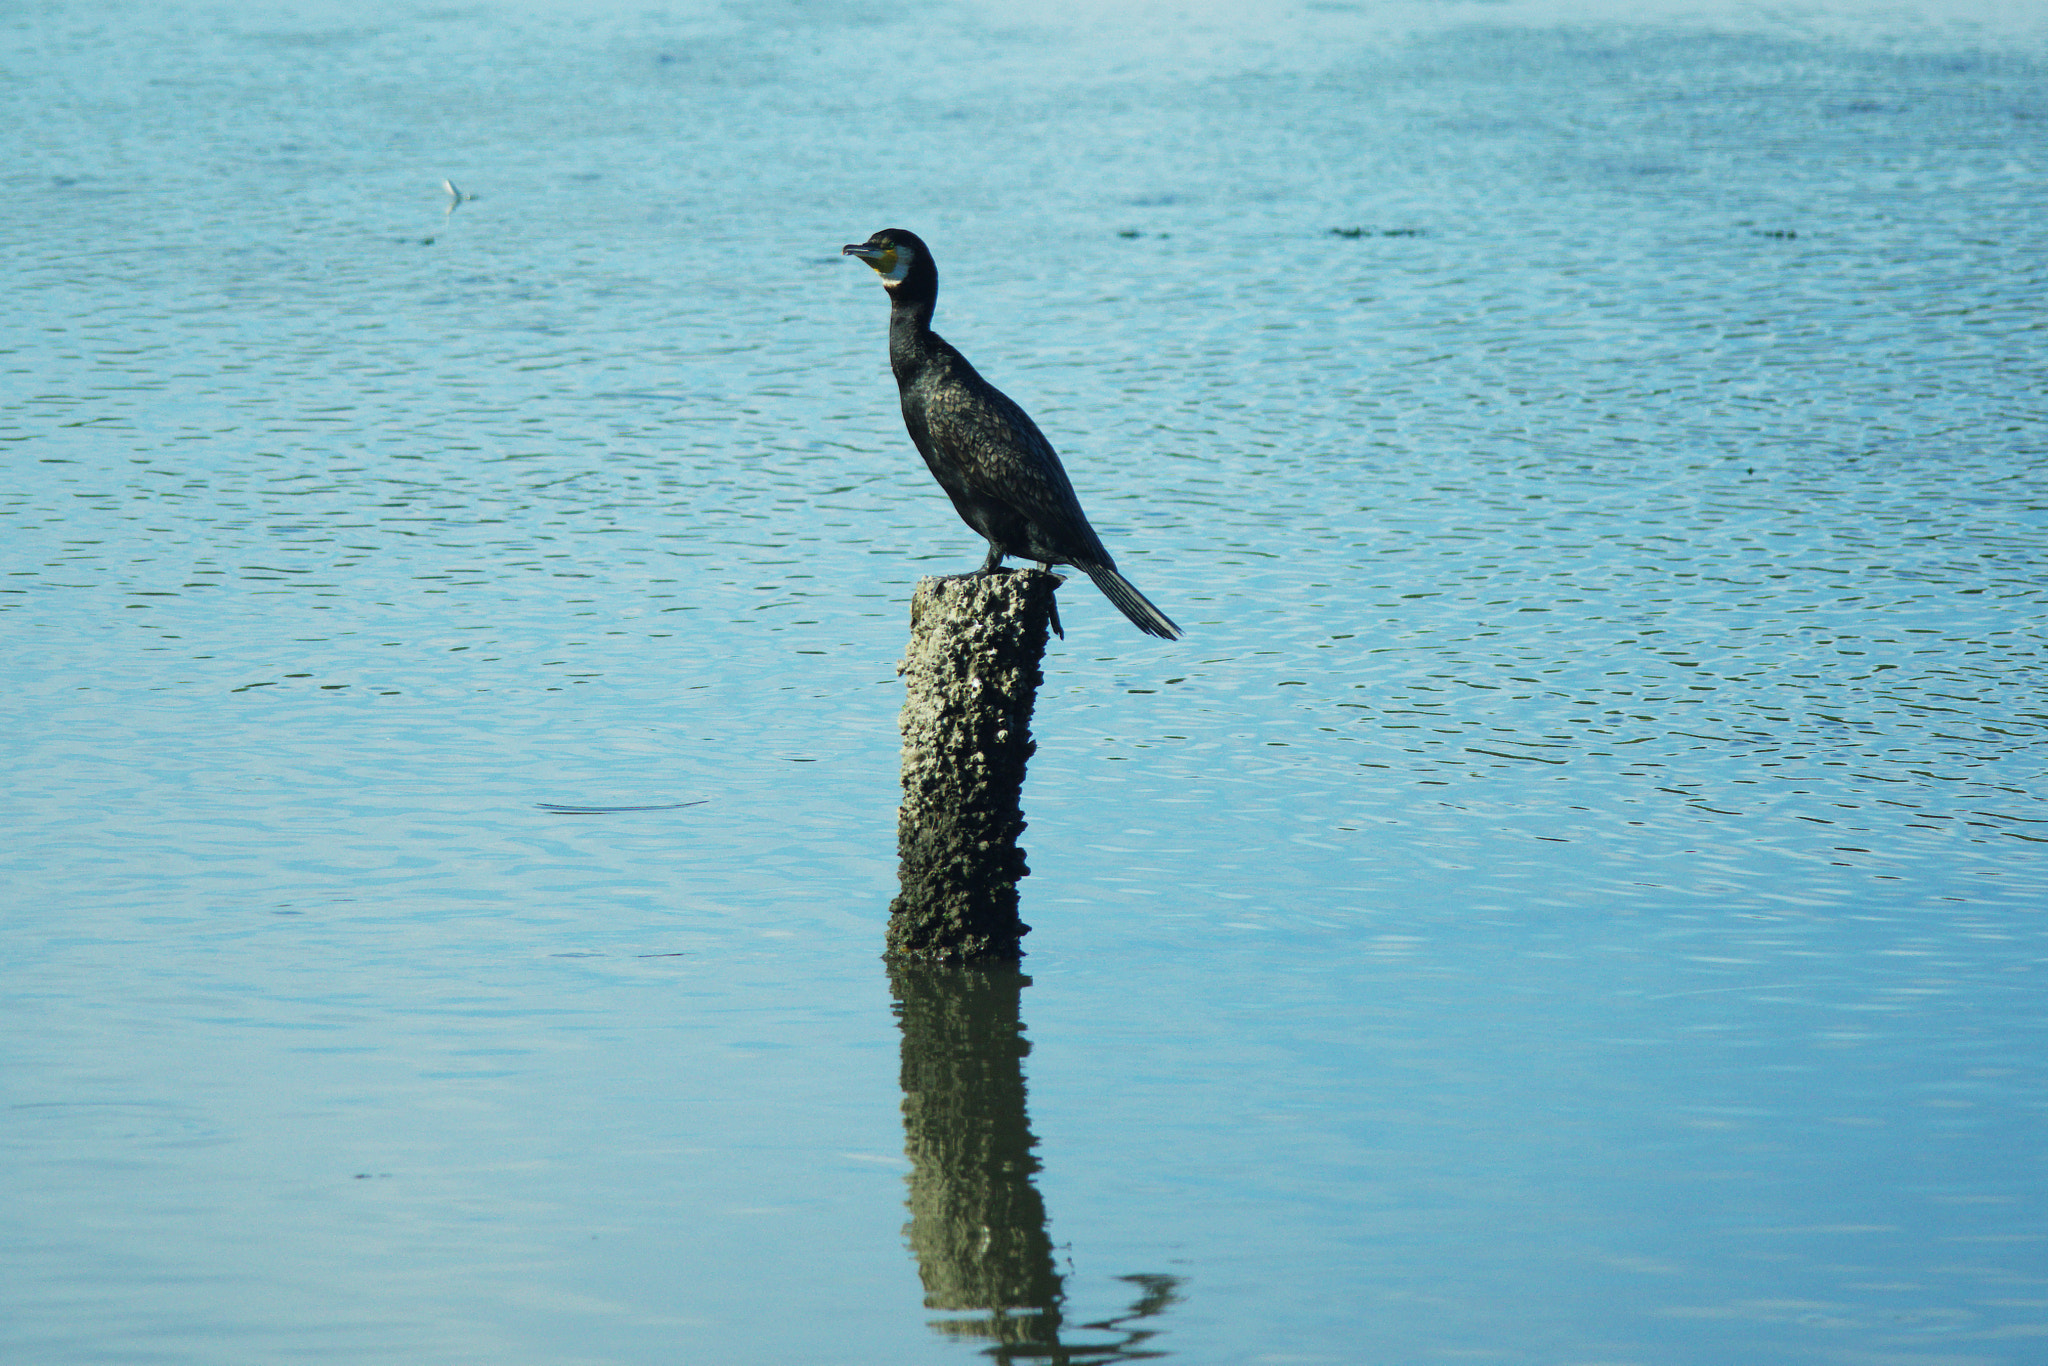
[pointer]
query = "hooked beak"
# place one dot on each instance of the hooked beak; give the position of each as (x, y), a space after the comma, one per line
(880, 256)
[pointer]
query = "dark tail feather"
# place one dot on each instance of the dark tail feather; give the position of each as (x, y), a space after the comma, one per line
(1132, 603)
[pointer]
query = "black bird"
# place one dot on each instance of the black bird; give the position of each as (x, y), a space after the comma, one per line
(987, 454)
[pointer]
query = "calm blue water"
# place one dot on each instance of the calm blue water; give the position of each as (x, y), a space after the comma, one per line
(1576, 895)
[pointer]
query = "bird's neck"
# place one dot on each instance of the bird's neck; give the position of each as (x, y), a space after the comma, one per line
(910, 331)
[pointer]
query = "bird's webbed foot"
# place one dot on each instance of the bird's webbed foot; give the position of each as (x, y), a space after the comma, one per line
(992, 563)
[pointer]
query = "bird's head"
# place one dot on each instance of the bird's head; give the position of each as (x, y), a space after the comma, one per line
(893, 254)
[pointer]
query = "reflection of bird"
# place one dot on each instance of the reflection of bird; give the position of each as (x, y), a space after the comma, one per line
(990, 458)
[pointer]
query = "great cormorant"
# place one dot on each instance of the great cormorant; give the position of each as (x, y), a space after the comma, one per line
(987, 454)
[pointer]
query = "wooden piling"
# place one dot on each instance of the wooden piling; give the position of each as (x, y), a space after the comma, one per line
(971, 674)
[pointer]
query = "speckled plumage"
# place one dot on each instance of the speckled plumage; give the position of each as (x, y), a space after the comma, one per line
(1003, 476)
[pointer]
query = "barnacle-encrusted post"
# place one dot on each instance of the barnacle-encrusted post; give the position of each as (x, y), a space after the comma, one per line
(971, 674)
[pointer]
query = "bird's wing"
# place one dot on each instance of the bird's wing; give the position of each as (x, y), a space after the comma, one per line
(1000, 452)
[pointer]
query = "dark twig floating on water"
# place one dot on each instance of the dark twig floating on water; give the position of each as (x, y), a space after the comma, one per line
(1001, 473)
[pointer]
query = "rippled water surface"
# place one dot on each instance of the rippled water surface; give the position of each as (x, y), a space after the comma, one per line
(1575, 895)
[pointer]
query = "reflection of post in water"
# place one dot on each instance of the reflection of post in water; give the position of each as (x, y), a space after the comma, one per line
(977, 1222)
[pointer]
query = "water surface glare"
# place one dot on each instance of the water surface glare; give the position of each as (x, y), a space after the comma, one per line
(1575, 895)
